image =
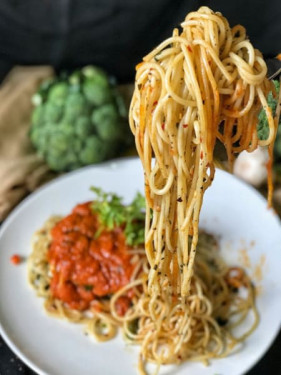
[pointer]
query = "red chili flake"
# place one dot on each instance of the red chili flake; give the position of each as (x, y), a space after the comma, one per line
(15, 259)
(185, 125)
(200, 139)
(201, 155)
(189, 48)
(155, 103)
(163, 126)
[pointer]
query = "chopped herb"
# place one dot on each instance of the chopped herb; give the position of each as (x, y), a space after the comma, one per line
(88, 287)
(263, 127)
(113, 213)
(133, 326)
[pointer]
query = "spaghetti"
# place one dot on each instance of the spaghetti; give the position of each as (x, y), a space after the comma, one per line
(205, 84)
(199, 330)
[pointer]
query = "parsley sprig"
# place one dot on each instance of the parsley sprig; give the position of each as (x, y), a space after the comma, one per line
(113, 213)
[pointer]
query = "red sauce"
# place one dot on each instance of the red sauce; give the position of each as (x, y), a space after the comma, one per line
(15, 259)
(86, 268)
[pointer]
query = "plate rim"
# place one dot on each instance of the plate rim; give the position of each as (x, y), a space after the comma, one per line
(107, 164)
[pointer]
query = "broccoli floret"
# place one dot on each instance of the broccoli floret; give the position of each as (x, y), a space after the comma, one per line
(97, 90)
(40, 138)
(75, 78)
(37, 117)
(83, 127)
(35, 135)
(75, 105)
(105, 119)
(58, 93)
(77, 145)
(66, 128)
(52, 112)
(62, 153)
(94, 72)
(76, 120)
(60, 141)
(56, 161)
(93, 151)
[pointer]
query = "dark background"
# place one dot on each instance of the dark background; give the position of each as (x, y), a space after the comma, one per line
(115, 34)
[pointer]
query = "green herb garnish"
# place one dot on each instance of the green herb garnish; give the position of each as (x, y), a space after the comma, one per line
(263, 127)
(113, 213)
(88, 287)
(133, 326)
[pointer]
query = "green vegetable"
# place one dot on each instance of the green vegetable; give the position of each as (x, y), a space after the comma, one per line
(88, 287)
(83, 127)
(75, 105)
(113, 213)
(133, 326)
(37, 116)
(105, 119)
(52, 112)
(58, 93)
(79, 119)
(96, 91)
(96, 87)
(93, 151)
(263, 127)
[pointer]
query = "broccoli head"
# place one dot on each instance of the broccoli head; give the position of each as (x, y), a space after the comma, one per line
(78, 119)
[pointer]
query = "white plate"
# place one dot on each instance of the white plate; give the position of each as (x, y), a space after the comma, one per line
(231, 209)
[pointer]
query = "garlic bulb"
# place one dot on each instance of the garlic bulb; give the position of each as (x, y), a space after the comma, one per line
(251, 167)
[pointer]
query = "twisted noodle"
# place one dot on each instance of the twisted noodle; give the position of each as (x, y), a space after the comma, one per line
(205, 84)
(168, 333)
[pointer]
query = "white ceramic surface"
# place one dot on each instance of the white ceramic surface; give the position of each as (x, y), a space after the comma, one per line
(231, 209)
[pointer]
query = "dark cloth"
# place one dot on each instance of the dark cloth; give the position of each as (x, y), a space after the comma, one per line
(115, 34)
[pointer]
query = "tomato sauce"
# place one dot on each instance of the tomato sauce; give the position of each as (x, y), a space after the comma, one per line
(15, 259)
(86, 266)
